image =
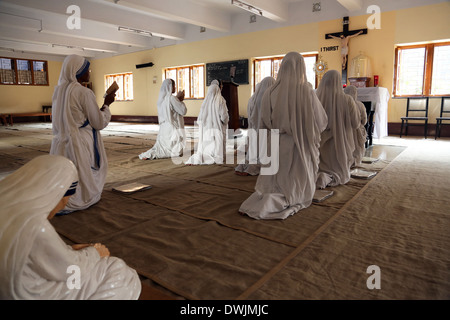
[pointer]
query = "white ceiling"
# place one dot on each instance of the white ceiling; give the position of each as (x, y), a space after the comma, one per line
(41, 26)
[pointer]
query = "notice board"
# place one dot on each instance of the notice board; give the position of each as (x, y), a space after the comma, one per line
(235, 71)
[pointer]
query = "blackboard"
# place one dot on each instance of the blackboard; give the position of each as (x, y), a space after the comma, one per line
(222, 71)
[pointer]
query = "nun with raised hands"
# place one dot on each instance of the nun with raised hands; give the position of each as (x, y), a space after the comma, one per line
(251, 165)
(290, 106)
(212, 123)
(337, 142)
(76, 123)
(35, 263)
(360, 133)
(171, 137)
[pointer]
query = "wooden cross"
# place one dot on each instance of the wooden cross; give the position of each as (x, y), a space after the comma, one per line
(344, 37)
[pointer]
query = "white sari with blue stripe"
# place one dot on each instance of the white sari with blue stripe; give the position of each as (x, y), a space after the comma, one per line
(77, 121)
(35, 263)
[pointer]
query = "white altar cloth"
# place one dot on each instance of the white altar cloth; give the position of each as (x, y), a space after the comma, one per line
(379, 97)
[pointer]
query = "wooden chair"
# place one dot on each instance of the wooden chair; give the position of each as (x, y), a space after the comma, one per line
(443, 116)
(415, 111)
(370, 111)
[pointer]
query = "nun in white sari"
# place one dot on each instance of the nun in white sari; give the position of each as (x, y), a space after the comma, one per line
(290, 106)
(360, 133)
(35, 263)
(212, 123)
(77, 121)
(251, 165)
(171, 137)
(337, 142)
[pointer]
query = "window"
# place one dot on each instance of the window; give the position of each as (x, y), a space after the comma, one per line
(125, 82)
(23, 71)
(7, 71)
(268, 67)
(188, 78)
(422, 70)
(40, 73)
(310, 61)
(440, 76)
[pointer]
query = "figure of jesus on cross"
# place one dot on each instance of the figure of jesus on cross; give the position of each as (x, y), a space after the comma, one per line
(344, 46)
(344, 38)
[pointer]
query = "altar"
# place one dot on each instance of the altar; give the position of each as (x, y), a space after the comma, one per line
(376, 101)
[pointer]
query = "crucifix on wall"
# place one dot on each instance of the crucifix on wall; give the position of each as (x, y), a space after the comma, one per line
(344, 38)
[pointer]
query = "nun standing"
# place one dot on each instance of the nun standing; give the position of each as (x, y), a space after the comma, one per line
(76, 122)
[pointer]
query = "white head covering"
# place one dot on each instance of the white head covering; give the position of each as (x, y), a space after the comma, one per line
(294, 107)
(360, 133)
(33, 258)
(291, 106)
(208, 115)
(254, 103)
(171, 135)
(337, 157)
(68, 140)
(212, 125)
(26, 198)
(72, 65)
(254, 120)
(163, 104)
(353, 92)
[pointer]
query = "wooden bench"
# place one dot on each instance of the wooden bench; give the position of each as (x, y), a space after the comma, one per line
(28, 114)
(4, 118)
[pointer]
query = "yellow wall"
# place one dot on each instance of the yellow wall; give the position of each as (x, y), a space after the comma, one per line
(423, 24)
(302, 38)
(22, 98)
(377, 44)
(427, 23)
